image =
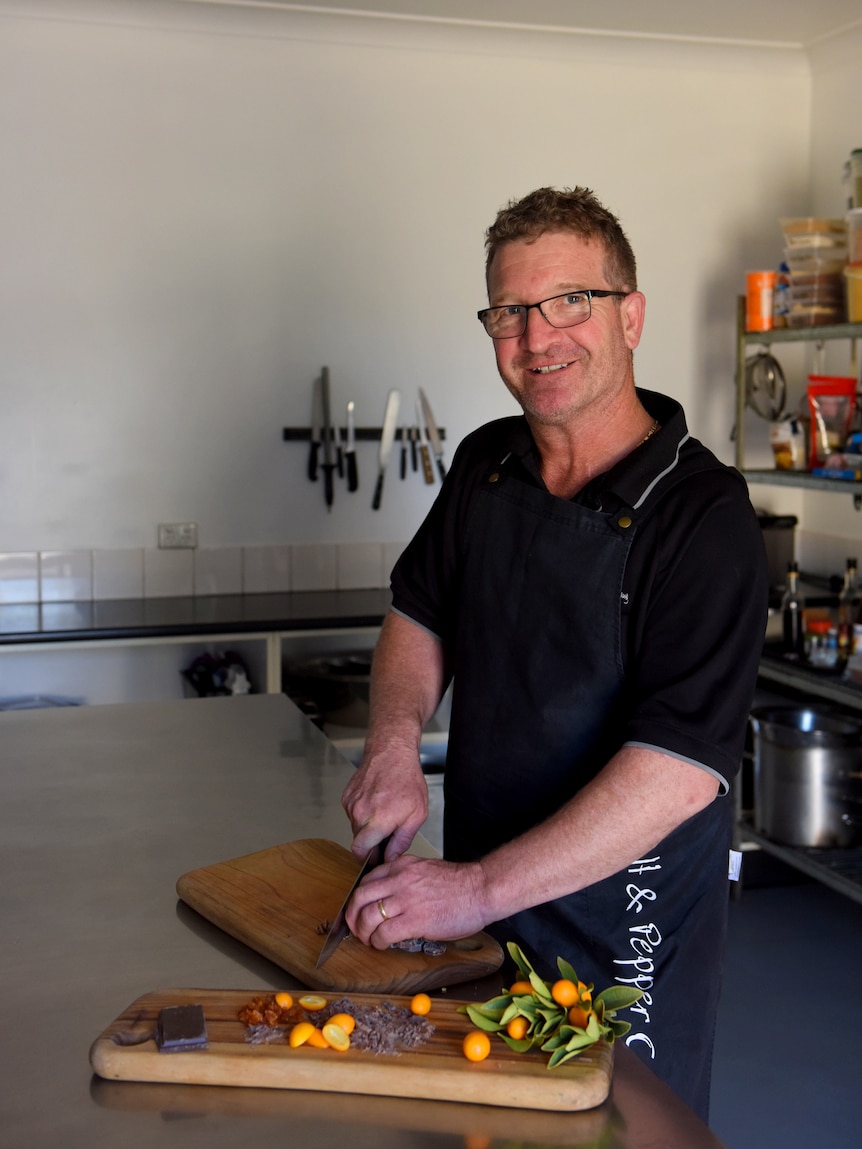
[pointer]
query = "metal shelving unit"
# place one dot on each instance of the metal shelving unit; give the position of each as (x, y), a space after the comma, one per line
(839, 869)
(817, 336)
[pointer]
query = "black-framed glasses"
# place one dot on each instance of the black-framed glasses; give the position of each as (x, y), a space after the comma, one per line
(567, 310)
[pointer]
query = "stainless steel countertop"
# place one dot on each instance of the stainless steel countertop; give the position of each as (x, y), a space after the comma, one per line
(101, 810)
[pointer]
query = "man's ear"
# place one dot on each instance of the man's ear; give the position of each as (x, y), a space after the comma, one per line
(632, 310)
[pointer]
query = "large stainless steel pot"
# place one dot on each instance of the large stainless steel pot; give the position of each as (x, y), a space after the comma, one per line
(807, 776)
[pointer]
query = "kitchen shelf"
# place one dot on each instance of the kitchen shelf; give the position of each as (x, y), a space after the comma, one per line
(840, 869)
(820, 334)
(811, 683)
(803, 479)
(817, 335)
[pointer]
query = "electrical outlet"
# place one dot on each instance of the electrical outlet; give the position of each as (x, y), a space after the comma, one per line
(178, 536)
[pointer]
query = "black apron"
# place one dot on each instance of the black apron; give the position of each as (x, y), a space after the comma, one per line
(538, 708)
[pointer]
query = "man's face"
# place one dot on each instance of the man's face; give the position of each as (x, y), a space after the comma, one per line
(557, 374)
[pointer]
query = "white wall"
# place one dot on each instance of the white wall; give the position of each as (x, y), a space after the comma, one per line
(200, 206)
(830, 526)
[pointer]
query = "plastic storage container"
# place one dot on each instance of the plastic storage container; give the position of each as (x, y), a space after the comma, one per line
(854, 235)
(853, 276)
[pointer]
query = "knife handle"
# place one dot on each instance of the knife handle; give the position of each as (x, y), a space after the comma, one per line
(378, 493)
(352, 471)
(312, 461)
(327, 484)
(403, 460)
(426, 465)
(339, 461)
(414, 445)
(441, 468)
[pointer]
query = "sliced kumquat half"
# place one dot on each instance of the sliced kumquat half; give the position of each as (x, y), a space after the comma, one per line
(476, 1045)
(520, 987)
(420, 1004)
(283, 1000)
(335, 1037)
(312, 1002)
(346, 1021)
(316, 1039)
(300, 1034)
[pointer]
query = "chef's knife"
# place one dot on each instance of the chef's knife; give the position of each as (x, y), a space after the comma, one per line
(387, 437)
(339, 929)
(423, 446)
(339, 452)
(316, 419)
(328, 464)
(433, 433)
(350, 451)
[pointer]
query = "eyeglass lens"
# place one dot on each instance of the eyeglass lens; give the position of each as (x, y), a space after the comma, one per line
(561, 311)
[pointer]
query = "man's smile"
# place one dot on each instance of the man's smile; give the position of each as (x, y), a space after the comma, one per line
(551, 367)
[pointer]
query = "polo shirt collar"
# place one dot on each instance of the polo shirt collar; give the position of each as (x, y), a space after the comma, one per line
(629, 482)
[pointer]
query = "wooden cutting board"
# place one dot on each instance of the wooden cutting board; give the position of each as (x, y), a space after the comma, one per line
(438, 1070)
(276, 901)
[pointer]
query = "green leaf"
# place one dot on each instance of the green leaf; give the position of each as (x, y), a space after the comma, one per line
(497, 1004)
(619, 1028)
(512, 1010)
(479, 1019)
(618, 997)
(540, 986)
(519, 959)
(566, 970)
(521, 1046)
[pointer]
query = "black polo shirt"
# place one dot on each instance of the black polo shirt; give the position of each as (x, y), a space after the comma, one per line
(694, 597)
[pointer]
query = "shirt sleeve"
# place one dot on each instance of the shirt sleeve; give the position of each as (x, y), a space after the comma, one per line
(698, 619)
(425, 579)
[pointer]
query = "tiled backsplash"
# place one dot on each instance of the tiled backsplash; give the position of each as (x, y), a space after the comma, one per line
(75, 576)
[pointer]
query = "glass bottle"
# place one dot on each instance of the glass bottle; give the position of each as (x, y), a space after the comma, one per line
(791, 615)
(847, 608)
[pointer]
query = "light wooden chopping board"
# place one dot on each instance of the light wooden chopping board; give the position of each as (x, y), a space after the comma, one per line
(277, 900)
(437, 1070)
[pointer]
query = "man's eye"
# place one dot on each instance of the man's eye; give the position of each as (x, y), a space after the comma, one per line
(574, 299)
(513, 309)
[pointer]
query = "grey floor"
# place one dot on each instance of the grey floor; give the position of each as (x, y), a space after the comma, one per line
(788, 1060)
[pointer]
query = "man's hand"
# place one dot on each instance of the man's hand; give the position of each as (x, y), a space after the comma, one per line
(418, 898)
(387, 795)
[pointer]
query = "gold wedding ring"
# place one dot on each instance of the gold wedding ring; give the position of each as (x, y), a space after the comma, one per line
(380, 907)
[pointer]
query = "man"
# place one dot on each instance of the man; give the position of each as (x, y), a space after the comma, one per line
(593, 581)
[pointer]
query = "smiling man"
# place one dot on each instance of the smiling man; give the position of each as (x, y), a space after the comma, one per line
(593, 582)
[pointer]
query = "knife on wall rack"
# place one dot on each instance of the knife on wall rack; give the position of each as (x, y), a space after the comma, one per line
(433, 433)
(387, 438)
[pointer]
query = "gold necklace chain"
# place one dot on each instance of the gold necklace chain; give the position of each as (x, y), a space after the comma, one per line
(656, 425)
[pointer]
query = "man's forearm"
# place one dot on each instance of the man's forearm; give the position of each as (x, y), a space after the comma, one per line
(407, 683)
(634, 803)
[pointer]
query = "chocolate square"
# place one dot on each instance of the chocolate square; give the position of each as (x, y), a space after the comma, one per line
(181, 1028)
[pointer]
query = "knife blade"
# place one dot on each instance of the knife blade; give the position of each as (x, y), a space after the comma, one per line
(316, 418)
(387, 437)
(339, 929)
(339, 451)
(328, 464)
(424, 453)
(433, 433)
(350, 450)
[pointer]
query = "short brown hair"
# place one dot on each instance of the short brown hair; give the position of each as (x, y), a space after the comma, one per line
(572, 209)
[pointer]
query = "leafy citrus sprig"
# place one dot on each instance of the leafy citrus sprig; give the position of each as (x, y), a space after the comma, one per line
(561, 1018)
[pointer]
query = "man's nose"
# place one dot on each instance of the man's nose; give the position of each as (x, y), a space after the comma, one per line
(538, 330)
